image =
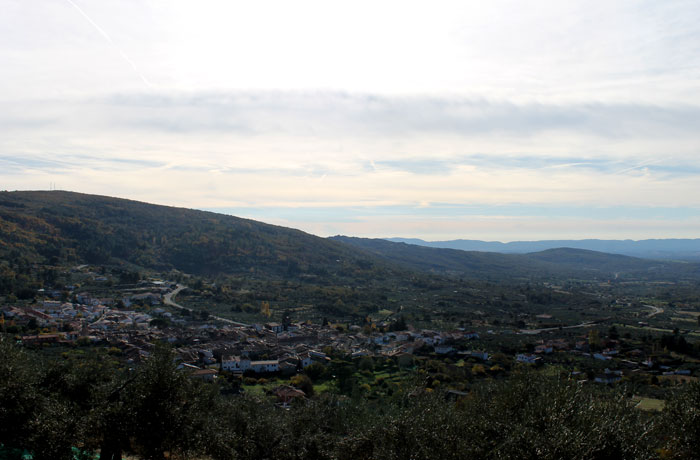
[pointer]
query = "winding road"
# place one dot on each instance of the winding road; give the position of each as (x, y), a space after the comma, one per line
(168, 300)
(654, 310)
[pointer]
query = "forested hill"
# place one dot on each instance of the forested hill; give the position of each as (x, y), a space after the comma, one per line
(60, 227)
(560, 262)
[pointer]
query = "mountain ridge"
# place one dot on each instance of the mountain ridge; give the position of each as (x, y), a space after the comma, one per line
(570, 262)
(659, 248)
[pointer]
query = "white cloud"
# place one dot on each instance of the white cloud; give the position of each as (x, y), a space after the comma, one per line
(263, 104)
(536, 51)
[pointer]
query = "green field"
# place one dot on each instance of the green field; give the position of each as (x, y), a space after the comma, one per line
(650, 404)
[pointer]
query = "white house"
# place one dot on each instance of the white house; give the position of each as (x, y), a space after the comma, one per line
(530, 359)
(265, 366)
(306, 360)
(443, 349)
(274, 327)
(238, 364)
(235, 364)
(482, 355)
(313, 356)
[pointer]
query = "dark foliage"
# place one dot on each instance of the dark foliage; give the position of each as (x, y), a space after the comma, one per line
(156, 411)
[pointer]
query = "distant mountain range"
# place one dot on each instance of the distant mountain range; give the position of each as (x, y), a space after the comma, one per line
(554, 263)
(660, 249)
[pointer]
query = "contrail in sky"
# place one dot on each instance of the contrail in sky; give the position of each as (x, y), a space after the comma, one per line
(640, 165)
(109, 39)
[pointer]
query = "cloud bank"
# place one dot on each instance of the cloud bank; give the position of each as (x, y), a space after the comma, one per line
(462, 120)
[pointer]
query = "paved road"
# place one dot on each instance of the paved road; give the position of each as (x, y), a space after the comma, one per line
(547, 329)
(168, 300)
(654, 310)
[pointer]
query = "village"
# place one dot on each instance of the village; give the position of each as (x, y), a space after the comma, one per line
(209, 347)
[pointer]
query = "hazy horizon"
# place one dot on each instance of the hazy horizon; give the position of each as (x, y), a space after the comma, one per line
(503, 121)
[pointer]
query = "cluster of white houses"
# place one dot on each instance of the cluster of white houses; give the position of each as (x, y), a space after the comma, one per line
(242, 364)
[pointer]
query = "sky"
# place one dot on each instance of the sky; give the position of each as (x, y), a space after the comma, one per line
(499, 120)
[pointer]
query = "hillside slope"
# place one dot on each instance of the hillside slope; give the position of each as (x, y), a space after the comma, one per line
(71, 227)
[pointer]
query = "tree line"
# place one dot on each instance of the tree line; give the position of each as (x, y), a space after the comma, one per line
(56, 408)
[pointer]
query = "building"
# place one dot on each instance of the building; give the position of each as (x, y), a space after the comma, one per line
(239, 365)
(208, 375)
(530, 359)
(274, 327)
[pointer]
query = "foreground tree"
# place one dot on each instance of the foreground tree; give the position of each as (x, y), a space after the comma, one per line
(681, 424)
(35, 411)
(166, 410)
(18, 396)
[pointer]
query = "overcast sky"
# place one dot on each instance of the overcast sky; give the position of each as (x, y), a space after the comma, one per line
(499, 120)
